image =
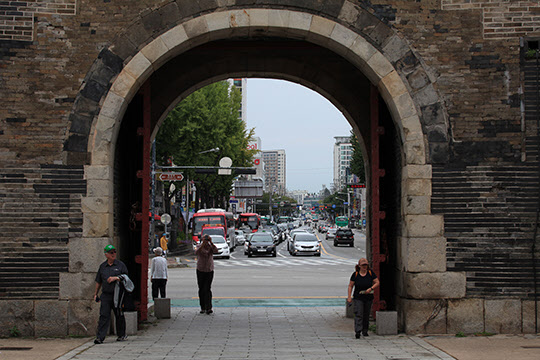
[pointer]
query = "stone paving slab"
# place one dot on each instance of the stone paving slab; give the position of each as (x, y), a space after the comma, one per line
(263, 333)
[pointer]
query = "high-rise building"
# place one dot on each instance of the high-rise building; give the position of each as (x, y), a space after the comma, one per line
(342, 161)
(241, 84)
(275, 168)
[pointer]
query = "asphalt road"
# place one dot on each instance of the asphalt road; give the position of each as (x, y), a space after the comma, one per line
(283, 276)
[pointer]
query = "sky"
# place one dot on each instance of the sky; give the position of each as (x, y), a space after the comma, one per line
(292, 117)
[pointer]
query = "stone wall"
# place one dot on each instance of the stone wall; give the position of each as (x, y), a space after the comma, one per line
(17, 17)
(502, 19)
(461, 60)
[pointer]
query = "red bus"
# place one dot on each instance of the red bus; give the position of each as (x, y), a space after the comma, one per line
(252, 220)
(213, 217)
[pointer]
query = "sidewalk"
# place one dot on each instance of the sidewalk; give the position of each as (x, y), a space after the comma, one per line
(284, 333)
(258, 333)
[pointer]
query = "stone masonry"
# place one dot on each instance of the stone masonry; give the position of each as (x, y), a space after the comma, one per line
(458, 78)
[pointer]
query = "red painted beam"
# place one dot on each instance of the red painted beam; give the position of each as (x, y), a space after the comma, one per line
(376, 174)
(142, 259)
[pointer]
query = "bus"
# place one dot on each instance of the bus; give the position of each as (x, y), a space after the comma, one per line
(284, 219)
(252, 220)
(265, 220)
(342, 221)
(216, 217)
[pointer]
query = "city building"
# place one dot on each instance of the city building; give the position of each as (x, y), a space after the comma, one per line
(275, 169)
(298, 195)
(342, 160)
(241, 84)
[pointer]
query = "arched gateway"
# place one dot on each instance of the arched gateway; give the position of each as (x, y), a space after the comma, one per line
(351, 52)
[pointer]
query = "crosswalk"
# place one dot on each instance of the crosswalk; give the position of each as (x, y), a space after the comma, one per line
(290, 262)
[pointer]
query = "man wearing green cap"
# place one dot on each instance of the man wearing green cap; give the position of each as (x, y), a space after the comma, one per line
(106, 279)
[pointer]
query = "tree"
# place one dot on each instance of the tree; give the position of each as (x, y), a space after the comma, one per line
(206, 119)
(357, 159)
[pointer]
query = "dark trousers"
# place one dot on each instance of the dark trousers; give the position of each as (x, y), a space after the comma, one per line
(158, 285)
(107, 305)
(362, 308)
(204, 281)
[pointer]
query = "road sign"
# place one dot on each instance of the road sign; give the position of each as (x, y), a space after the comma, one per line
(166, 219)
(171, 177)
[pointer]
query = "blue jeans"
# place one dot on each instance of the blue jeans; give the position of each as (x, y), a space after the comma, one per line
(362, 309)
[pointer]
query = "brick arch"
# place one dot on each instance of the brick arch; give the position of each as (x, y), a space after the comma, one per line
(385, 59)
(349, 29)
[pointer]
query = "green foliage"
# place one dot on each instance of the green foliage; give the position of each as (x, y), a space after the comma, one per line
(531, 53)
(484, 333)
(461, 334)
(357, 159)
(373, 328)
(206, 119)
(336, 198)
(14, 331)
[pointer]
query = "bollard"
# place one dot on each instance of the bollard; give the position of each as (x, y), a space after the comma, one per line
(131, 322)
(162, 308)
(386, 323)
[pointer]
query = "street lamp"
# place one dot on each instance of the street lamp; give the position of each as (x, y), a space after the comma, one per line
(216, 149)
(207, 151)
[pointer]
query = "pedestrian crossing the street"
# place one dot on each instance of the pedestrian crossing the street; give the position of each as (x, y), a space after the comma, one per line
(291, 262)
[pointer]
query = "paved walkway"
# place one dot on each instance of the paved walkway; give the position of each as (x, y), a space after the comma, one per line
(262, 333)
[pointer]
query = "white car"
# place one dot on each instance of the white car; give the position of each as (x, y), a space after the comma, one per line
(305, 244)
(240, 237)
(290, 237)
(223, 247)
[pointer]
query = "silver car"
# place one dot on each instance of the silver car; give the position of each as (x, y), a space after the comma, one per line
(305, 244)
(240, 237)
(290, 237)
(331, 233)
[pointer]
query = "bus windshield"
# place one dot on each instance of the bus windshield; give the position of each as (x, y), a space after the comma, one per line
(251, 220)
(203, 220)
(342, 221)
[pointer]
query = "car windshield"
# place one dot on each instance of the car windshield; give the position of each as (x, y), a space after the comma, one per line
(345, 232)
(261, 238)
(305, 238)
(218, 239)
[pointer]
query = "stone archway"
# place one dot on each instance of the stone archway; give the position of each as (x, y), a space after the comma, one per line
(389, 65)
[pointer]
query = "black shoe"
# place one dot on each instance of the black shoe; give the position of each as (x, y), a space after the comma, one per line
(98, 341)
(202, 311)
(209, 311)
(365, 334)
(357, 335)
(122, 338)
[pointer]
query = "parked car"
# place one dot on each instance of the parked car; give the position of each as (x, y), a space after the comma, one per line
(223, 247)
(261, 244)
(331, 233)
(344, 236)
(305, 244)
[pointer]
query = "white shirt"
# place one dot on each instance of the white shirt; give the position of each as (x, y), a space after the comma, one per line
(159, 268)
